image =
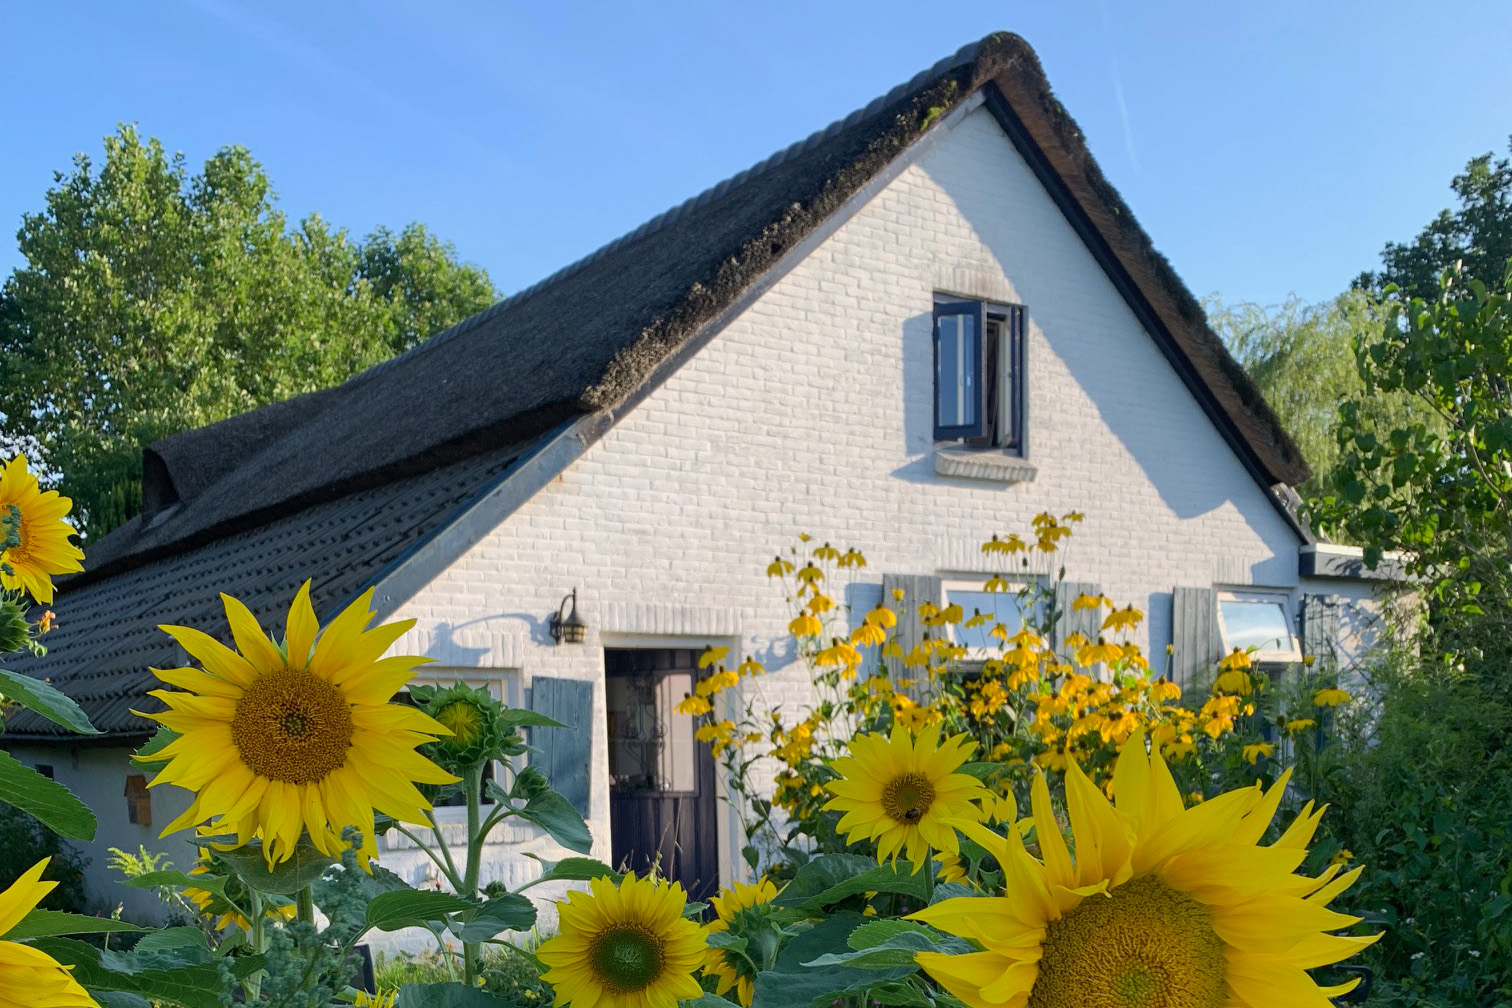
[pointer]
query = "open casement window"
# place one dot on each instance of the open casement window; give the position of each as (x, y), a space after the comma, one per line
(979, 373)
(1257, 622)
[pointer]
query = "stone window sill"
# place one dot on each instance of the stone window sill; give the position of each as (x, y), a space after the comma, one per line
(990, 464)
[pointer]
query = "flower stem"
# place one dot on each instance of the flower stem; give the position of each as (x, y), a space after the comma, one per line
(474, 862)
(305, 901)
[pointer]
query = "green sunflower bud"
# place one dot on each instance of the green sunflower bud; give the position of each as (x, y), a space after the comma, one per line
(15, 631)
(473, 717)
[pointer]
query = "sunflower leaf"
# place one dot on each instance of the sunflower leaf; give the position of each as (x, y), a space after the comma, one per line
(36, 695)
(159, 741)
(791, 984)
(154, 880)
(832, 877)
(708, 1001)
(47, 923)
(45, 798)
(574, 869)
(528, 718)
(404, 908)
(509, 912)
(890, 944)
(304, 866)
(555, 814)
(448, 995)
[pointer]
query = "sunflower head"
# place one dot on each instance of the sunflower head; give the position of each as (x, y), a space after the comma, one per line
(899, 790)
(34, 535)
(747, 912)
(625, 946)
(282, 739)
(1160, 905)
(28, 975)
(15, 628)
(474, 719)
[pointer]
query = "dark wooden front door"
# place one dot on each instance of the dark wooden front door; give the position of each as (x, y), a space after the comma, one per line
(662, 805)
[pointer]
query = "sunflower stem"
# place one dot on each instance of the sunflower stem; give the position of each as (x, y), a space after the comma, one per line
(474, 861)
(305, 901)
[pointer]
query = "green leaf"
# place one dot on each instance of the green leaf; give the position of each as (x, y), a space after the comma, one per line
(169, 939)
(305, 865)
(42, 698)
(47, 923)
(832, 877)
(559, 819)
(574, 869)
(178, 879)
(448, 995)
(510, 912)
(46, 799)
(708, 1001)
(159, 741)
(412, 908)
(120, 999)
(889, 944)
(790, 984)
(528, 719)
(177, 980)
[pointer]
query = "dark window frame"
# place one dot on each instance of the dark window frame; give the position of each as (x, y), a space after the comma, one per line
(997, 375)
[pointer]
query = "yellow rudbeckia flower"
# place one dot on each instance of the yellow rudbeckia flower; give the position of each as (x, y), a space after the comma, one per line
(277, 739)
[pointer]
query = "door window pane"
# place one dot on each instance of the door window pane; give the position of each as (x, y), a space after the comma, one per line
(651, 747)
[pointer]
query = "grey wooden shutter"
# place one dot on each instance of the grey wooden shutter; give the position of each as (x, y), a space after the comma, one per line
(1320, 627)
(1069, 619)
(910, 631)
(1194, 633)
(565, 753)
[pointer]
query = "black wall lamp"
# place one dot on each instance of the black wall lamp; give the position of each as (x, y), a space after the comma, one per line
(568, 629)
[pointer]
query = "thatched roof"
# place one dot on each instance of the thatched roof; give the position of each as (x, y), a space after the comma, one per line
(585, 340)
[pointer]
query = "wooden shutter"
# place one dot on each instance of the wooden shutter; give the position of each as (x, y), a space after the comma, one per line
(916, 588)
(1070, 620)
(1320, 627)
(565, 753)
(1194, 633)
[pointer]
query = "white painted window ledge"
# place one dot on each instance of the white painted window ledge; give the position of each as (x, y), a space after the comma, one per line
(983, 464)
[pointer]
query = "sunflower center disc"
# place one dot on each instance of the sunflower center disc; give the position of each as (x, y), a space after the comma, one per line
(1144, 945)
(907, 797)
(627, 958)
(292, 726)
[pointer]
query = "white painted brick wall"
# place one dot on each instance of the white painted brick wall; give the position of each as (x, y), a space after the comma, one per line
(812, 412)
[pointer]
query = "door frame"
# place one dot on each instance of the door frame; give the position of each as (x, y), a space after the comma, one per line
(726, 820)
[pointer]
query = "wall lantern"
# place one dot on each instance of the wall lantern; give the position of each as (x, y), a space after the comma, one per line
(568, 629)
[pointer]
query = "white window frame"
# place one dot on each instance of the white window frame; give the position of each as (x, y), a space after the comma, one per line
(503, 684)
(1282, 598)
(948, 585)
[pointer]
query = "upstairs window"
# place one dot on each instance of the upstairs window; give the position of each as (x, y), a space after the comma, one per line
(979, 373)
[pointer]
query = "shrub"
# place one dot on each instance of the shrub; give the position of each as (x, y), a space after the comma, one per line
(23, 842)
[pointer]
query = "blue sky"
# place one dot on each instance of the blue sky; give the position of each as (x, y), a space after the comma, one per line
(1267, 148)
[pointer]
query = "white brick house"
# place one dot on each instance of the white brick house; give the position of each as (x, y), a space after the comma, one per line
(650, 425)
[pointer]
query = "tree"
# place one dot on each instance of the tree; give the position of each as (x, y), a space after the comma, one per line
(152, 301)
(1302, 358)
(1478, 233)
(1439, 492)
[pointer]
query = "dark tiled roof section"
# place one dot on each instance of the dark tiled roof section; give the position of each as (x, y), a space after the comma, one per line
(586, 338)
(107, 636)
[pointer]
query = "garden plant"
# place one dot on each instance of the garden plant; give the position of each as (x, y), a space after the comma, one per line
(893, 866)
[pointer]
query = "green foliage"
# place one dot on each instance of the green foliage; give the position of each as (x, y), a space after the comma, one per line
(24, 841)
(153, 300)
(1478, 233)
(1302, 358)
(1422, 794)
(1439, 493)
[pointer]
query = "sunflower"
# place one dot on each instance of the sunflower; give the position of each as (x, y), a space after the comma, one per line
(897, 791)
(221, 911)
(624, 947)
(44, 549)
(382, 999)
(745, 904)
(277, 739)
(1162, 905)
(29, 978)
